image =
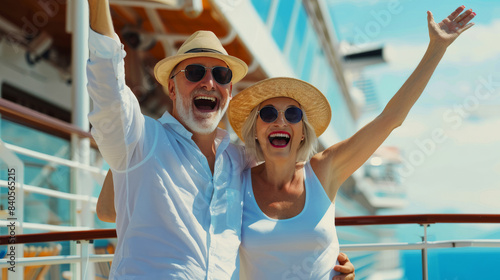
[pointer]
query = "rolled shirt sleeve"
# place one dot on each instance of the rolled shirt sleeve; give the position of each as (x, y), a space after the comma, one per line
(116, 118)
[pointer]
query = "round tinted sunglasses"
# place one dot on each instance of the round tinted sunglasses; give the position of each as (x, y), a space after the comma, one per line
(269, 114)
(195, 73)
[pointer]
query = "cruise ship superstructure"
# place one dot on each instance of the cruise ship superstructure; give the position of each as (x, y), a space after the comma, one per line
(44, 106)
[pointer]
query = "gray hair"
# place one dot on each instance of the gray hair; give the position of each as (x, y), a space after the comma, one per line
(306, 149)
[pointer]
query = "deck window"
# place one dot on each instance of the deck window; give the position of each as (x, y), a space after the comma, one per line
(281, 22)
(262, 7)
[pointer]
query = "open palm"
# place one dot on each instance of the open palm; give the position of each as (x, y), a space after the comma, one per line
(451, 27)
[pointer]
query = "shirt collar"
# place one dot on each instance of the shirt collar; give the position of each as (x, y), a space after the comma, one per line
(168, 119)
(221, 137)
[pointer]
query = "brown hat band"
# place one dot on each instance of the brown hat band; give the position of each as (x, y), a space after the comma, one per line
(199, 50)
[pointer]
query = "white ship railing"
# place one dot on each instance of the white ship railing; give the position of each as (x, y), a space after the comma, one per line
(85, 239)
(85, 235)
(15, 219)
(425, 221)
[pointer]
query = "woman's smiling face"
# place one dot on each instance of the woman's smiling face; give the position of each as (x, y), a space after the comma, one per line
(279, 138)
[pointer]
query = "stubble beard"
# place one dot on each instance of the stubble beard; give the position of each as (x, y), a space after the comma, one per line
(207, 124)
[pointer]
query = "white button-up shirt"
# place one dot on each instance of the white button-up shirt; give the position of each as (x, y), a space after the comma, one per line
(175, 220)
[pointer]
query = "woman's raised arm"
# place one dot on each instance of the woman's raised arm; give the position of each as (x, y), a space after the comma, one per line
(334, 165)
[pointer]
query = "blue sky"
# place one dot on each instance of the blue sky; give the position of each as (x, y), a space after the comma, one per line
(451, 138)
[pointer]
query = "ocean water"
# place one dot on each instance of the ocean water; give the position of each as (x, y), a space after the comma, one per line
(453, 264)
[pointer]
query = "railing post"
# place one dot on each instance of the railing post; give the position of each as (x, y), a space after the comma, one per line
(15, 209)
(78, 13)
(425, 267)
(85, 271)
(81, 146)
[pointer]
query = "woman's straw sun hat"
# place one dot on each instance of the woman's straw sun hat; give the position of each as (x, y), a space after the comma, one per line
(311, 100)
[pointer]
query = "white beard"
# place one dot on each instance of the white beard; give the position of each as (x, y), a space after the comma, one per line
(205, 126)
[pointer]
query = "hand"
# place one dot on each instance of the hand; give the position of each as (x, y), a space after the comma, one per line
(445, 32)
(345, 267)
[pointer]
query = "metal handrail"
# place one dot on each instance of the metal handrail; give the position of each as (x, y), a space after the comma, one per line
(420, 219)
(54, 159)
(39, 120)
(417, 219)
(421, 245)
(44, 227)
(58, 236)
(86, 237)
(53, 193)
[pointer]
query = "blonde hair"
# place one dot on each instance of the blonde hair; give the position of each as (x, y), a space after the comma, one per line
(306, 149)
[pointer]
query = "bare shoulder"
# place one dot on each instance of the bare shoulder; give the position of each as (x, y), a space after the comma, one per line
(321, 164)
(320, 168)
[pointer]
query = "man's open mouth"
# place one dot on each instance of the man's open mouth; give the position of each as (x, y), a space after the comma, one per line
(279, 139)
(205, 103)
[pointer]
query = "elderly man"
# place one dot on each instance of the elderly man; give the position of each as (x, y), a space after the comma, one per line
(177, 179)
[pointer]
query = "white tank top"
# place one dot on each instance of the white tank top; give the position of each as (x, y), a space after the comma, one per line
(301, 247)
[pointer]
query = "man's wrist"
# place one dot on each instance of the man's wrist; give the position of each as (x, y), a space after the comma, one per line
(103, 46)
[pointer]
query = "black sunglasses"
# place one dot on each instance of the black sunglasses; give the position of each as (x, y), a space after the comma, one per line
(269, 114)
(195, 72)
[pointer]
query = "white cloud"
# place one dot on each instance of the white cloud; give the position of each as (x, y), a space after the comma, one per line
(439, 196)
(477, 131)
(489, 198)
(401, 56)
(496, 167)
(412, 128)
(460, 174)
(484, 132)
(477, 45)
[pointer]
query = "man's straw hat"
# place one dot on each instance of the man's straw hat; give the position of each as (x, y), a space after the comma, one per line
(311, 100)
(200, 44)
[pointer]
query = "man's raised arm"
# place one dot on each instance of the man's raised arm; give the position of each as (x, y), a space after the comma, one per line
(117, 122)
(100, 17)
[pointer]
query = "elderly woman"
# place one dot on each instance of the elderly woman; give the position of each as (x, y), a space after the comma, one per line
(288, 227)
(288, 221)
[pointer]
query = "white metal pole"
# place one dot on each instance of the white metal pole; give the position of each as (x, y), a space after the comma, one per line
(81, 147)
(425, 270)
(84, 260)
(79, 13)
